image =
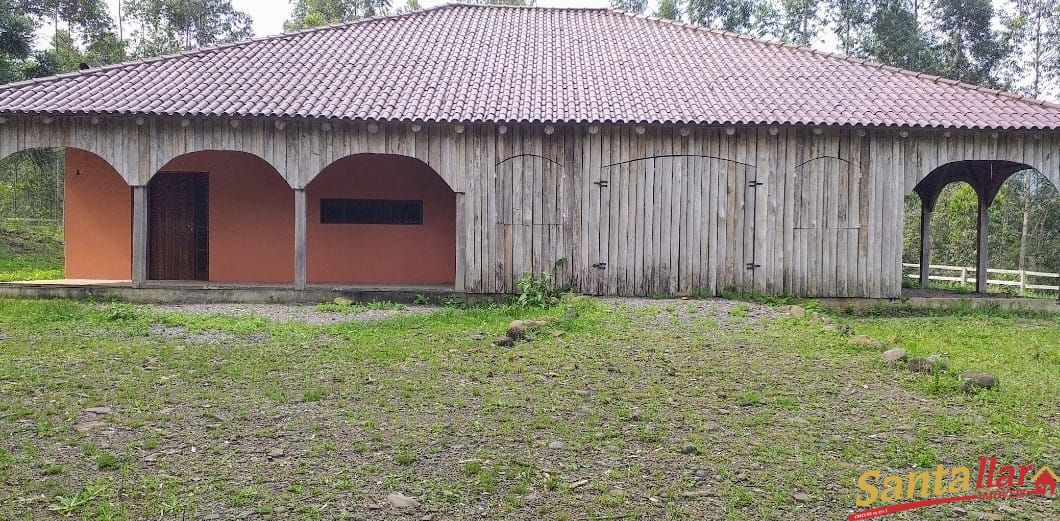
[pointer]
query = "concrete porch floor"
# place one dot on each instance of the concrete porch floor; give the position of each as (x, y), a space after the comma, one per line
(190, 292)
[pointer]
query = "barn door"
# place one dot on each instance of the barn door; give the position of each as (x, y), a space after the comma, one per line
(178, 240)
(673, 225)
(535, 217)
(827, 205)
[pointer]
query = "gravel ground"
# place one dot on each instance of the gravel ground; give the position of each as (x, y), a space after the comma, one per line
(308, 314)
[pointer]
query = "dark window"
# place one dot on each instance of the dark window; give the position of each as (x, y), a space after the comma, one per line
(370, 211)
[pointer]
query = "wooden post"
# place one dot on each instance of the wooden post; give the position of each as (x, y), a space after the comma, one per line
(461, 243)
(299, 238)
(925, 244)
(139, 236)
(982, 242)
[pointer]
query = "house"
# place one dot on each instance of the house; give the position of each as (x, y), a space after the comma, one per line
(1045, 481)
(463, 146)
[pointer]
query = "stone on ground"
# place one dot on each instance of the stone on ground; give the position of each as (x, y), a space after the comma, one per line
(342, 301)
(99, 410)
(556, 445)
(895, 355)
(504, 341)
(399, 500)
(795, 311)
(972, 381)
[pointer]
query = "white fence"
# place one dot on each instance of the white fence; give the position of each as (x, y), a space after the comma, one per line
(1015, 278)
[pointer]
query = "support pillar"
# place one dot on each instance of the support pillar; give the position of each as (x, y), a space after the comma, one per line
(982, 259)
(139, 236)
(299, 238)
(926, 210)
(461, 244)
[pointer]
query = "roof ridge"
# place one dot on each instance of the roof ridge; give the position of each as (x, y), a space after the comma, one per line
(850, 59)
(214, 48)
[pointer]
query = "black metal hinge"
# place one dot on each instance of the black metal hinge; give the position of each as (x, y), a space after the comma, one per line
(754, 184)
(602, 183)
(600, 265)
(751, 266)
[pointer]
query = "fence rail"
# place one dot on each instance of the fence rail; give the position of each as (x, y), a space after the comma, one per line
(966, 275)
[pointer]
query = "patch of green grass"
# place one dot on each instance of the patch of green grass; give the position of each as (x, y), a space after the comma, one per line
(31, 252)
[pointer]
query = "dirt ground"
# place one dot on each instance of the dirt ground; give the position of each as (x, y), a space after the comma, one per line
(618, 409)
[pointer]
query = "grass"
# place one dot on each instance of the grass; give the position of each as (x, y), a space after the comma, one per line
(30, 252)
(665, 410)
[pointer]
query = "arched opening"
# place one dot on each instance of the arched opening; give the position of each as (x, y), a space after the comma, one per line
(220, 216)
(984, 226)
(66, 215)
(379, 219)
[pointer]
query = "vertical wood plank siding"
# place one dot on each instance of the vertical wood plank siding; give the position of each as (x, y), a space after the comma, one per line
(632, 210)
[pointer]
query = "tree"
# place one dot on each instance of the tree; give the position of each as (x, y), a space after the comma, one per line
(849, 20)
(631, 6)
(734, 15)
(167, 26)
(668, 9)
(895, 38)
(315, 13)
(801, 21)
(16, 41)
(970, 49)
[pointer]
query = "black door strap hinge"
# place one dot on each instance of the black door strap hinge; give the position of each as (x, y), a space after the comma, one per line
(751, 265)
(602, 183)
(755, 184)
(600, 265)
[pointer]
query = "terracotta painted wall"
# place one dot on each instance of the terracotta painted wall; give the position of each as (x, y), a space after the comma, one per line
(251, 216)
(98, 227)
(382, 254)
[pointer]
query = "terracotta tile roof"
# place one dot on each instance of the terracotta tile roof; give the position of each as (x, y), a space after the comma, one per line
(511, 64)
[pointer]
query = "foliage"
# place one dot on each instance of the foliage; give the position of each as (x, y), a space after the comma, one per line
(668, 10)
(315, 13)
(631, 6)
(168, 26)
(30, 252)
(16, 41)
(540, 291)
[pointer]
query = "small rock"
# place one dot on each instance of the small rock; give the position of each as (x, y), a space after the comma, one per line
(86, 426)
(1008, 510)
(635, 415)
(696, 493)
(504, 341)
(533, 496)
(275, 453)
(795, 311)
(701, 474)
(399, 500)
(342, 301)
(960, 511)
(212, 517)
(801, 497)
(99, 410)
(920, 365)
(825, 319)
(690, 449)
(939, 362)
(478, 336)
(556, 445)
(973, 381)
(894, 355)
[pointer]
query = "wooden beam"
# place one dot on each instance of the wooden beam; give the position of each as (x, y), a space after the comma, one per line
(982, 256)
(925, 243)
(139, 236)
(299, 238)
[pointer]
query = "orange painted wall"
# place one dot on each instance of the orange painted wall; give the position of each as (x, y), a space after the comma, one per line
(251, 216)
(98, 219)
(382, 254)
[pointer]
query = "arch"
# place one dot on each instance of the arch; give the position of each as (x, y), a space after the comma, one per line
(986, 178)
(381, 219)
(244, 230)
(96, 215)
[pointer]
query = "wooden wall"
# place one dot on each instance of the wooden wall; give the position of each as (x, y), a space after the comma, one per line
(632, 210)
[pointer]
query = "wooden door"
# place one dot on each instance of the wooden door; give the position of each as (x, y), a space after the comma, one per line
(178, 242)
(535, 219)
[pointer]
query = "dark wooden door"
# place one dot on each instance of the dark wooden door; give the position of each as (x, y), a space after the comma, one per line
(178, 244)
